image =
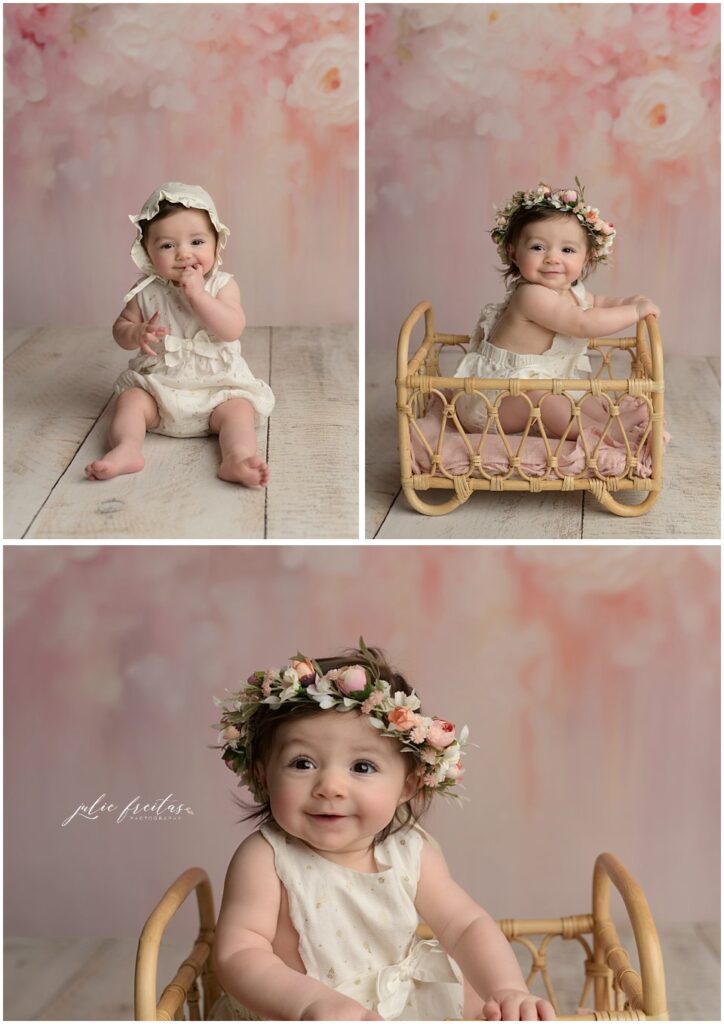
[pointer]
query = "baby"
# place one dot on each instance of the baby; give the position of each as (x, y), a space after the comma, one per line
(549, 242)
(184, 318)
(321, 906)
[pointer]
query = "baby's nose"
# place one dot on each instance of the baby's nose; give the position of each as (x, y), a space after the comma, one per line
(329, 783)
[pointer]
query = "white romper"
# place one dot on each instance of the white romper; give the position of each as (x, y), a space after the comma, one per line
(193, 372)
(565, 359)
(357, 931)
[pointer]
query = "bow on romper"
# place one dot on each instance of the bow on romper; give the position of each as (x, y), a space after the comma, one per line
(357, 931)
(193, 372)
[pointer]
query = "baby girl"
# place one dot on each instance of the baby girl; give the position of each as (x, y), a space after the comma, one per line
(321, 906)
(183, 319)
(550, 242)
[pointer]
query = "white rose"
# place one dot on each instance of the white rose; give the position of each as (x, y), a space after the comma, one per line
(659, 113)
(326, 83)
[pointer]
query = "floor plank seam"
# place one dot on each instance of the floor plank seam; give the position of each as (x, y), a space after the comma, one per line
(703, 935)
(70, 463)
(268, 435)
(389, 509)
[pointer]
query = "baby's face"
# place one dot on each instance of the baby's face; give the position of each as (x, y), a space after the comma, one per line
(183, 239)
(334, 782)
(552, 252)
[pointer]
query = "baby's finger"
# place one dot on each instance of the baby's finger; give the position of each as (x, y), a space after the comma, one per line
(545, 1010)
(491, 1010)
(529, 1010)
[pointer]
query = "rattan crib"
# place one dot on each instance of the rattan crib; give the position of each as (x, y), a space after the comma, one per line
(420, 383)
(618, 991)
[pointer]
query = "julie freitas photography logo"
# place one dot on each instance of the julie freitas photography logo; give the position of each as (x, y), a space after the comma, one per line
(168, 809)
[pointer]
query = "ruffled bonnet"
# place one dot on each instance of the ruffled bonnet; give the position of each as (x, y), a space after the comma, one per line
(192, 196)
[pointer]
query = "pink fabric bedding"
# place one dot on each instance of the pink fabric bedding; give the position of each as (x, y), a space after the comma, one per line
(611, 456)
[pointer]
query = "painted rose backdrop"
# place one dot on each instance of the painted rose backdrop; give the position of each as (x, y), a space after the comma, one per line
(589, 679)
(468, 102)
(256, 102)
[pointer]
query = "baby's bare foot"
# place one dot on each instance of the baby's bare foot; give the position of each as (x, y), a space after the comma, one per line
(251, 472)
(124, 458)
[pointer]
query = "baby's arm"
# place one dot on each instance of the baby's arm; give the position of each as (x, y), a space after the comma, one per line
(544, 306)
(131, 331)
(472, 938)
(246, 964)
(223, 315)
(606, 301)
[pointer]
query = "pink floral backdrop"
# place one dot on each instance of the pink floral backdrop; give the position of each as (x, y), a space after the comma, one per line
(467, 103)
(589, 679)
(256, 102)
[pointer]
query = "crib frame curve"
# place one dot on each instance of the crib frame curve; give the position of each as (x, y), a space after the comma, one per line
(418, 378)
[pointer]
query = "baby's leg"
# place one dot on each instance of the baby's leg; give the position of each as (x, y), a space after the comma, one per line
(233, 421)
(513, 414)
(135, 412)
(556, 413)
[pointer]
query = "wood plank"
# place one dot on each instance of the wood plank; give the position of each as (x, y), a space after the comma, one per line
(313, 433)
(715, 363)
(489, 515)
(15, 337)
(382, 463)
(177, 495)
(56, 385)
(689, 503)
(36, 969)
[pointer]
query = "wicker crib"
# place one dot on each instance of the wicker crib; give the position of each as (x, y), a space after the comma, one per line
(420, 386)
(617, 990)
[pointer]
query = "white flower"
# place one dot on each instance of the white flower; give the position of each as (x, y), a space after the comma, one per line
(660, 113)
(289, 675)
(403, 700)
(326, 83)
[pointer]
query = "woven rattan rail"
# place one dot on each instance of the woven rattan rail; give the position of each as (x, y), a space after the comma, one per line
(418, 379)
(619, 991)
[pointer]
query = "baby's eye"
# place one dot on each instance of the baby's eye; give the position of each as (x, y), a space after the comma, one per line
(536, 245)
(301, 763)
(198, 241)
(364, 768)
(569, 249)
(166, 245)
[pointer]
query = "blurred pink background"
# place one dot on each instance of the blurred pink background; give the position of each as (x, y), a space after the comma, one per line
(256, 102)
(589, 679)
(466, 103)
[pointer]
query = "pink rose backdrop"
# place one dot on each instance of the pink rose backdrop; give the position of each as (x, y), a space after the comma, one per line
(589, 679)
(468, 102)
(256, 102)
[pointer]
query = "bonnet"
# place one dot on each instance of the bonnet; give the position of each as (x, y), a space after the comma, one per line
(192, 196)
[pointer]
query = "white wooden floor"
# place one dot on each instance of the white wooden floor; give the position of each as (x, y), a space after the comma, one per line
(58, 384)
(688, 506)
(85, 979)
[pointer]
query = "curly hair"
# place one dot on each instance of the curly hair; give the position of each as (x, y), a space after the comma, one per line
(267, 721)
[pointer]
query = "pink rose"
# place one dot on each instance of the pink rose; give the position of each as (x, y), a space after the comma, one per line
(367, 706)
(441, 733)
(608, 229)
(402, 719)
(231, 733)
(305, 671)
(569, 196)
(455, 771)
(352, 680)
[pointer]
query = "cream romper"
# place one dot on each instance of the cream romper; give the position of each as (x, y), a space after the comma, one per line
(357, 931)
(192, 373)
(565, 359)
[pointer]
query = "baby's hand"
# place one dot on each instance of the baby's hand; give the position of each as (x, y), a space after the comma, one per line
(645, 306)
(335, 1006)
(192, 280)
(149, 333)
(509, 1004)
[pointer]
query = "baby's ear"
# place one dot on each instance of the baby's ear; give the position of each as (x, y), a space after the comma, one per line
(411, 786)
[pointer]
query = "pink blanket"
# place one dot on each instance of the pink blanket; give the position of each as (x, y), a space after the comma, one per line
(610, 458)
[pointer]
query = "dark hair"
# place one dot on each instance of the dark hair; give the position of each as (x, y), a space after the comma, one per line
(165, 209)
(267, 721)
(522, 217)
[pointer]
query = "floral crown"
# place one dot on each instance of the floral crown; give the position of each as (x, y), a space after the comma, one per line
(350, 688)
(565, 200)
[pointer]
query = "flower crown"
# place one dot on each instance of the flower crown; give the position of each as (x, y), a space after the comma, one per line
(565, 200)
(350, 688)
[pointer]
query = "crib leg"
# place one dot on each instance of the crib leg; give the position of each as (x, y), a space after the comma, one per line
(611, 504)
(427, 509)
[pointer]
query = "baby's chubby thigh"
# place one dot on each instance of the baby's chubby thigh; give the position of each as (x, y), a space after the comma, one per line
(556, 413)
